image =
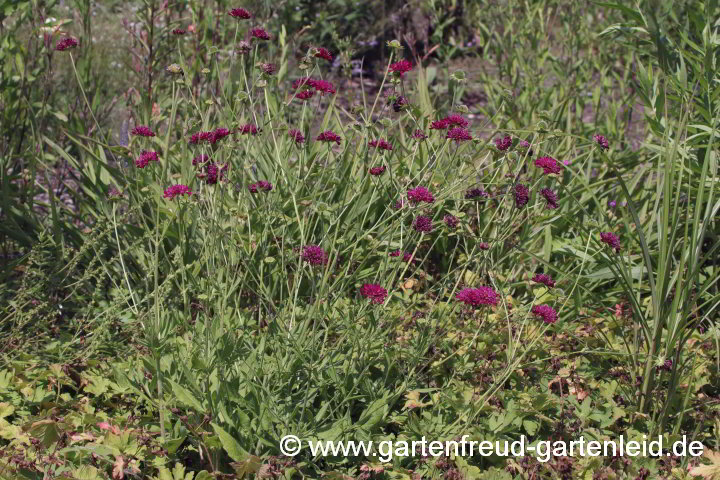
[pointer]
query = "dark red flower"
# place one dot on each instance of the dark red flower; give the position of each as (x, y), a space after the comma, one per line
(602, 141)
(503, 144)
(145, 158)
(522, 195)
(544, 279)
(248, 128)
(322, 86)
(549, 165)
(301, 82)
(323, 53)
(260, 34)
(176, 190)
(420, 194)
(476, 297)
(399, 103)
(458, 134)
(217, 134)
(329, 136)
(422, 223)
(610, 239)
(374, 292)
(381, 144)
(546, 312)
(305, 95)
(142, 131)
(401, 68)
(268, 68)
(178, 31)
(484, 246)
(200, 159)
(451, 221)
(314, 255)
(439, 124)
(262, 185)
(551, 198)
(66, 43)
(377, 170)
(213, 173)
(456, 120)
(240, 13)
(297, 136)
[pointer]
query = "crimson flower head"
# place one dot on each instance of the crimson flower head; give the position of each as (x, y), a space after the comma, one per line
(602, 141)
(213, 173)
(420, 194)
(422, 223)
(551, 198)
(260, 34)
(176, 190)
(402, 67)
(419, 135)
(268, 68)
(484, 246)
(322, 86)
(456, 120)
(200, 159)
(323, 53)
(329, 136)
(178, 31)
(314, 255)
(217, 134)
(297, 136)
(374, 292)
(240, 13)
(305, 95)
(262, 185)
(503, 144)
(302, 82)
(381, 144)
(476, 297)
(142, 131)
(458, 134)
(546, 312)
(522, 195)
(66, 44)
(544, 279)
(451, 221)
(549, 165)
(376, 171)
(611, 240)
(248, 128)
(439, 124)
(145, 158)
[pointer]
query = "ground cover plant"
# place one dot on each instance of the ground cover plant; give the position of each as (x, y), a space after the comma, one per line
(227, 222)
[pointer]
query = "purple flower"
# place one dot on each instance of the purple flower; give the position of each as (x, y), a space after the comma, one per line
(419, 135)
(297, 136)
(474, 193)
(503, 144)
(546, 312)
(439, 124)
(544, 279)
(484, 246)
(422, 223)
(611, 240)
(551, 198)
(145, 158)
(329, 136)
(374, 292)
(142, 131)
(268, 68)
(476, 297)
(456, 120)
(522, 195)
(218, 134)
(304, 95)
(375, 171)
(401, 68)
(200, 159)
(248, 128)
(549, 165)
(240, 13)
(262, 185)
(458, 134)
(260, 34)
(399, 103)
(381, 144)
(323, 53)
(213, 173)
(66, 43)
(612, 204)
(314, 255)
(176, 190)
(322, 86)
(451, 221)
(602, 141)
(420, 194)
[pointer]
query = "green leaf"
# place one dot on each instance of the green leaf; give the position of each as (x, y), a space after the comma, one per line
(231, 446)
(186, 397)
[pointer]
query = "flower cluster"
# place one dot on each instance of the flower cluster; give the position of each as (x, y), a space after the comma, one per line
(503, 144)
(321, 86)
(213, 173)
(476, 297)
(142, 131)
(240, 13)
(549, 165)
(458, 134)
(422, 223)
(550, 197)
(176, 190)
(546, 312)
(66, 44)
(268, 68)
(314, 255)
(178, 31)
(260, 34)
(451, 121)
(401, 68)
(248, 129)
(262, 185)
(381, 144)
(329, 136)
(297, 135)
(145, 158)
(374, 292)
(376, 171)
(420, 194)
(522, 195)
(611, 240)
(602, 141)
(451, 221)
(544, 279)
(419, 135)
(323, 53)
(200, 159)
(210, 137)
